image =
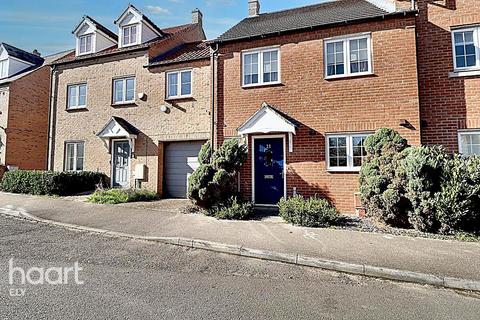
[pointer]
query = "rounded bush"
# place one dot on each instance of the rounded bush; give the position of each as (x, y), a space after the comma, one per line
(233, 209)
(311, 212)
(205, 154)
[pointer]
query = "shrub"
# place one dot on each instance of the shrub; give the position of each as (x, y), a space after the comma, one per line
(212, 184)
(310, 212)
(381, 187)
(205, 154)
(51, 183)
(233, 209)
(115, 196)
(423, 168)
(458, 202)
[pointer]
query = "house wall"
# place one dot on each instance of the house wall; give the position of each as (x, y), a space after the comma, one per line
(185, 119)
(447, 104)
(27, 126)
(325, 106)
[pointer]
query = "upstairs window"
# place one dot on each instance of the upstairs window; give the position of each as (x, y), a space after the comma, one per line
(129, 35)
(179, 84)
(345, 152)
(74, 155)
(469, 142)
(3, 68)
(85, 44)
(465, 49)
(124, 90)
(261, 67)
(77, 96)
(348, 56)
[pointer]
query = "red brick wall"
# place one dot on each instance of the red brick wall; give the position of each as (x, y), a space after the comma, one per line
(447, 104)
(325, 106)
(27, 129)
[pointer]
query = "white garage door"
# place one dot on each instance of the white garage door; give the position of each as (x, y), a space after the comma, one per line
(181, 159)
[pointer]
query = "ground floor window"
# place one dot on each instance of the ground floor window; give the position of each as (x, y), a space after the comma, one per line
(469, 142)
(74, 155)
(345, 152)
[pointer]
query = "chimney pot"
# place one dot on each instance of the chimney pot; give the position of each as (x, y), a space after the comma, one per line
(35, 52)
(253, 8)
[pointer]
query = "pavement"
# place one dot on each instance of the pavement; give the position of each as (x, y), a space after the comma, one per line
(131, 279)
(442, 258)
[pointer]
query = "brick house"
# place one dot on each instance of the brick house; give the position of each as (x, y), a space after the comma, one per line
(449, 73)
(24, 101)
(304, 88)
(134, 103)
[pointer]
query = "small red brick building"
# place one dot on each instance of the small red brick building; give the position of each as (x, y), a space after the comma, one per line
(304, 88)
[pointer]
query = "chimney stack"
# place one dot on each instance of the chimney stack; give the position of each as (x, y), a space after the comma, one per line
(197, 16)
(253, 8)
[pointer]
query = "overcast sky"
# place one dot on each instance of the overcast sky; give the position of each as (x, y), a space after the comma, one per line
(46, 25)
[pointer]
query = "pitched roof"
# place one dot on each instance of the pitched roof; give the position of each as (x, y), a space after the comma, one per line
(102, 28)
(323, 14)
(22, 55)
(183, 53)
(169, 33)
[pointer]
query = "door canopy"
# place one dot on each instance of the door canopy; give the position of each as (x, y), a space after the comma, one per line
(118, 128)
(268, 120)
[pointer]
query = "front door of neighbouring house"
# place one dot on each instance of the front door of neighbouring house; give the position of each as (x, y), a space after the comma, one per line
(269, 165)
(121, 164)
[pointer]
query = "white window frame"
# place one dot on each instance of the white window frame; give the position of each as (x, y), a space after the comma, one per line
(124, 90)
(349, 136)
(75, 158)
(78, 105)
(346, 55)
(476, 41)
(92, 44)
(137, 35)
(4, 68)
(260, 52)
(465, 133)
(179, 84)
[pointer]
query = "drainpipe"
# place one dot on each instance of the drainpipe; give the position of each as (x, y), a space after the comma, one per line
(212, 63)
(51, 119)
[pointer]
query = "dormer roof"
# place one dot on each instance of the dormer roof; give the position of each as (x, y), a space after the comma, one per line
(113, 36)
(22, 54)
(132, 9)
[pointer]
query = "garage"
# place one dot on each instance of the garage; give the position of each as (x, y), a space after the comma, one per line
(181, 159)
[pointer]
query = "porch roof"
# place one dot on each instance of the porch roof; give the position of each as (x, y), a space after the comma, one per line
(267, 120)
(118, 128)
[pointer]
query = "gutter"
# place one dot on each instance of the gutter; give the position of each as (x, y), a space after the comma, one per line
(323, 26)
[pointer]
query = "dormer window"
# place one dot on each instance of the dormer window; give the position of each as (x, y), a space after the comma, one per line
(3, 68)
(129, 35)
(85, 44)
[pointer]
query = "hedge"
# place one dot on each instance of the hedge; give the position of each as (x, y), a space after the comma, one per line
(52, 183)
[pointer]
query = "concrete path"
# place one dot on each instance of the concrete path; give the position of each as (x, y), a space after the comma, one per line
(438, 257)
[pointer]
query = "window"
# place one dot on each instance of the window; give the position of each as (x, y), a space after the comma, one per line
(77, 96)
(85, 44)
(4, 68)
(345, 152)
(129, 35)
(179, 84)
(123, 90)
(348, 56)
(261, 67)
(74, 155)
(469, 143)
(465, 49)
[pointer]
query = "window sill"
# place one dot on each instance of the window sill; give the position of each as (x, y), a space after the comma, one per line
(124, 104)
(343, 170)
(77, 109)
(259, 85)
(179, 98)
(463, 73)
(357, 75)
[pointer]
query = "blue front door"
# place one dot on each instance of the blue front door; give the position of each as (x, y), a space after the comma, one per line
(269, 170)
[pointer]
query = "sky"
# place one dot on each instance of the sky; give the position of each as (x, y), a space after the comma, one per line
(46, 25)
